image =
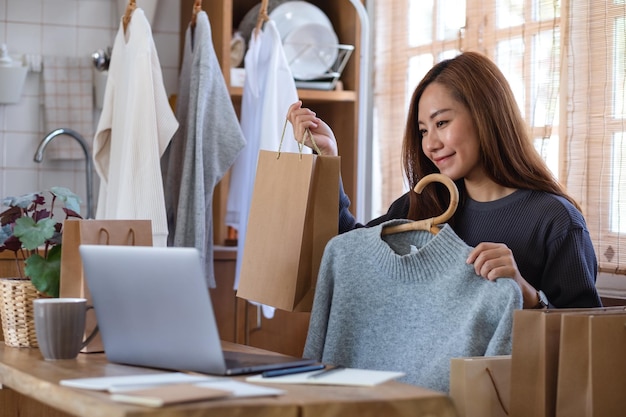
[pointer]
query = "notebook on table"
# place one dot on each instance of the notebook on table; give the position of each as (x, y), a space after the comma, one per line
(154, 309)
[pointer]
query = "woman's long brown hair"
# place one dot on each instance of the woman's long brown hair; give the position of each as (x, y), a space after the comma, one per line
(506, 150)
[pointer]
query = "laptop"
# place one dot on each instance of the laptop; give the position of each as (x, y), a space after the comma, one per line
(154, 310)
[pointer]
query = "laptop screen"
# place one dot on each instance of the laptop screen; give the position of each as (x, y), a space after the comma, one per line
(154, 309)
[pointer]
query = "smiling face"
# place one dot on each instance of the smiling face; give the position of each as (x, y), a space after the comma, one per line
(448, 134)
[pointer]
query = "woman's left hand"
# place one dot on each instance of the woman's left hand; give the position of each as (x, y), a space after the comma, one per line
(495, 260)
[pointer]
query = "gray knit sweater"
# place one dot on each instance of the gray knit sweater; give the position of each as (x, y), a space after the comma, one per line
(407, 302)
(203, 149)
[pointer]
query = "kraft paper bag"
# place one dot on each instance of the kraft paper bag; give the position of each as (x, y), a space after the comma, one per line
(535, 359)
(480, 386)
(592, 366)
(293, 214)
(94, 232)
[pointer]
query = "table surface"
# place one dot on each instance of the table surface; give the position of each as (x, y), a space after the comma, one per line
(24, 371)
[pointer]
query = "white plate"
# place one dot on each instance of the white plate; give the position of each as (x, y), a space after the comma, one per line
(291, 14)
(311, 50)
(308, 36)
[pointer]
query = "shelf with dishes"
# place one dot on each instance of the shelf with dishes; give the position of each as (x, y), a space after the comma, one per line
(310, 43)
(339, 105)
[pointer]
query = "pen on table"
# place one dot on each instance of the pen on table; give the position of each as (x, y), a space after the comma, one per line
(294, 370)
(326, 372)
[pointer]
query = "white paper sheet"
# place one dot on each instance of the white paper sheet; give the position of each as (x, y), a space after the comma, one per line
(126, 382)
(347, 376)
(241, 389)
(121, 384)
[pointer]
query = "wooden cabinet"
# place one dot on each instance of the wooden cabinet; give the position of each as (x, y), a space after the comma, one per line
(338, 108)
(238, 320)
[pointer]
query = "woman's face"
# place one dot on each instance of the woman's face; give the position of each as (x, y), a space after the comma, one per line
(449, 137)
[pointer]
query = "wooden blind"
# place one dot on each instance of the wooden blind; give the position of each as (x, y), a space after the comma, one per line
(389, 97)
(594, 163)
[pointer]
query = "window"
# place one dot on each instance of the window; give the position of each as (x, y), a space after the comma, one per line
(566, 63)
(413, 35)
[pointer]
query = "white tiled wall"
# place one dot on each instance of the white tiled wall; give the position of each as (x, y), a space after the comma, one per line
(63, 28)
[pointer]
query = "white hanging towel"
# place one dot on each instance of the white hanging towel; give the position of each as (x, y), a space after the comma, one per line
(269, 89)
(134, 129)
(202, 150)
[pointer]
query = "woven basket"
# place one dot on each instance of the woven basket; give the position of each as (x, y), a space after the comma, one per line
(16, 308)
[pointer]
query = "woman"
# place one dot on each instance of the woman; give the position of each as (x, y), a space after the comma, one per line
(464, 122)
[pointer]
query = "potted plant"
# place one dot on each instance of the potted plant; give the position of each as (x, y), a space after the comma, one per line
(29, 229)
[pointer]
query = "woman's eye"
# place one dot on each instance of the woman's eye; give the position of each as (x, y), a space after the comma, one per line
(441, 123)
(422, 132)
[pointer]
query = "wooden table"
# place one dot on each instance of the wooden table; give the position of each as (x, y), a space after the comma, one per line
(31, 388)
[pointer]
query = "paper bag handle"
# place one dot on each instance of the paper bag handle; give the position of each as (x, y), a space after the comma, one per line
(131, 233)
(495, 387)
(300, 144)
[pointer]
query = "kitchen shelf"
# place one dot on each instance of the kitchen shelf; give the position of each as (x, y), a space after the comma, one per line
(338, 108)
(317, 96)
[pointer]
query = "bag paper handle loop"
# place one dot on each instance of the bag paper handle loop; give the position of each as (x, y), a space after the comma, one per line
(106, 232)
(495, 388)
(131, 234)
(300, 144)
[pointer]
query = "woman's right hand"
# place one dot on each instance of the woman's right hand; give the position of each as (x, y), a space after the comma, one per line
(302, 118)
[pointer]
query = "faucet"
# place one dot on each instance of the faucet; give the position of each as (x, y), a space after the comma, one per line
(88, 162)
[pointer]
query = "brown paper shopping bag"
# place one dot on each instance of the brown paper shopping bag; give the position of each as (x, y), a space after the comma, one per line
(480, 386)
(535, 359)
(293, 214)
(95, 232)
(592, 366)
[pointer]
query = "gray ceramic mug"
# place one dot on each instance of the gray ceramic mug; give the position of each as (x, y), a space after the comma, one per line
(60, 326)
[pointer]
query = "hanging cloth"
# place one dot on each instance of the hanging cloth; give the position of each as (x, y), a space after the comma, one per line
(269, 89)
(203, 149)
(135, 127)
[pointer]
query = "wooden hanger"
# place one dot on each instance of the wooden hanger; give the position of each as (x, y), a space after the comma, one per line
(263, 17)
(197, 8)
(429, 224)
(132, 5)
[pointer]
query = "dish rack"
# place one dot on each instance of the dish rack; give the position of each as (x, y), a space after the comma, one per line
(327, 81)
